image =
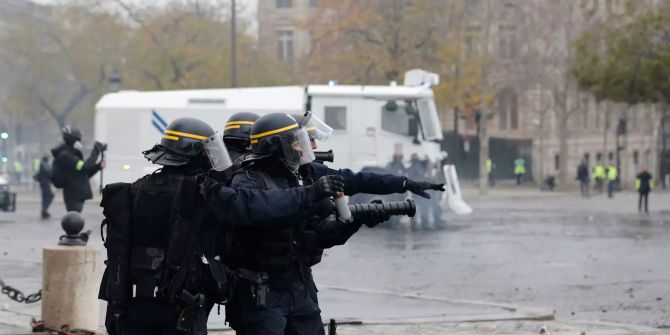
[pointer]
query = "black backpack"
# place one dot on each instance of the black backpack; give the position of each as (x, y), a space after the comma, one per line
(58, 177)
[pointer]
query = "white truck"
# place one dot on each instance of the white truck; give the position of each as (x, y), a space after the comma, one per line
(370, 122)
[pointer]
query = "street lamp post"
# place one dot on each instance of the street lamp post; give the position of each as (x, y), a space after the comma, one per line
(233, 46)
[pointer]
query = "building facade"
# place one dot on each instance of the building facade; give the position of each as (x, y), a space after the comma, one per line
(529, 46)
(279, 30)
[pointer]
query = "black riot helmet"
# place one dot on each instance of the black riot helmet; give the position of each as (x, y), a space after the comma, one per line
(238, 126)
(71, 134)
(279, 135)
(188, 140)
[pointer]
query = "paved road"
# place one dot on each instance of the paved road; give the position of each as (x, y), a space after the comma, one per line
(588, 259)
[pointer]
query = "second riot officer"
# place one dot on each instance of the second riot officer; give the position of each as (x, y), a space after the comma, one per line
(277, 294)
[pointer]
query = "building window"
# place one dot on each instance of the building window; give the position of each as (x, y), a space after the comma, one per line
(585, 113)
(599, 156)
(507, 41)
(557, 162)
(596, 122)
(587, 158)
(285, 45)
(508, 114)
(610, 156)
(336, 117)
(313, 3)
(284, 3)
(636, 158)
(395, 118)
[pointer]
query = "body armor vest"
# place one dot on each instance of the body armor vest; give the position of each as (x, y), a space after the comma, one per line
(275, 248)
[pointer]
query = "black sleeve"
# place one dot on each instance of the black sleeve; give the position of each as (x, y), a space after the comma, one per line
(331, 232)
(362, 182)
(243, 204)
(91, 165)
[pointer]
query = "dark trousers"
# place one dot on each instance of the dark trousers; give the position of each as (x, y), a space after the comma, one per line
(584, 187)
(150, 317)
(611, 185)
(643, 195)
(74, 205)
(492, 181)
(47, 198)
(293, 311)
(518, 178)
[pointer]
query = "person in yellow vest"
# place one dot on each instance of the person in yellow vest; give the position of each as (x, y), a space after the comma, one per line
(599, 176)
(519, 169)
(644, 183)
(612, 174)
(489, 172)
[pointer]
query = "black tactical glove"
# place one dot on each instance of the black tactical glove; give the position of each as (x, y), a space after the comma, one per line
(99, 146)
(327, 186)
(419, 187)
(324, 208)
(375, 217)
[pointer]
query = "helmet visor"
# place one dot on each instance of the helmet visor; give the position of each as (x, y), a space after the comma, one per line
(319, 129)
(217, 152)
(297, 150)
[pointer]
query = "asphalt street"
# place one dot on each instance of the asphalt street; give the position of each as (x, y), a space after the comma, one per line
(593, 259)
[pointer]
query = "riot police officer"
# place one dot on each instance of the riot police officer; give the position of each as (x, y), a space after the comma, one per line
(236, 134)
(277, 294)
(155, 281)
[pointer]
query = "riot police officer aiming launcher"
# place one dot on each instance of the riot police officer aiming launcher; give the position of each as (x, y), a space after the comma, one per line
(155, 280)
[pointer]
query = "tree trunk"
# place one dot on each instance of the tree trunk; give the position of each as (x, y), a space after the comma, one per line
(483, 154)
(563, 153)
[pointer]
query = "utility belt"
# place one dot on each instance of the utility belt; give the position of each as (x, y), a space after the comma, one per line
(260, 283)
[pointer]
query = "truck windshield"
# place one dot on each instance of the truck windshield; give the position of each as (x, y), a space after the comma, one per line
(430, 123)
(395, 118)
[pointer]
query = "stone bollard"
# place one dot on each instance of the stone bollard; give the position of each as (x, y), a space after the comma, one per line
(70, 280)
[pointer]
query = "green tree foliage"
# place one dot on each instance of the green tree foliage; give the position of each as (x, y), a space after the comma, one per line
(67, 53)
(627, 63)
(376, 41)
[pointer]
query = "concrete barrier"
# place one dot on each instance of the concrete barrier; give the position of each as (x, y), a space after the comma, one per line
(71, 278)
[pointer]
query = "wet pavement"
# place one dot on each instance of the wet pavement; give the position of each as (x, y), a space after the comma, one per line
(592, 259)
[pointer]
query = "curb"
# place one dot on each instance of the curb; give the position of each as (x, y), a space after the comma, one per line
(518, 313)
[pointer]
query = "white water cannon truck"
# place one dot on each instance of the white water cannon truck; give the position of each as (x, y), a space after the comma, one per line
(370, 123)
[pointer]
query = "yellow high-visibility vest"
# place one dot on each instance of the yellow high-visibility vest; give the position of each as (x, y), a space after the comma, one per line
(599, 171)
(612, 172)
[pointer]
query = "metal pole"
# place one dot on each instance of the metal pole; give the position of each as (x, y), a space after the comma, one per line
(233, 47)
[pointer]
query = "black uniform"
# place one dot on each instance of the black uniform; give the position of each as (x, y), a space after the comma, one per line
(361, 182)
(77, 172)
(279, 258)
(159, 273)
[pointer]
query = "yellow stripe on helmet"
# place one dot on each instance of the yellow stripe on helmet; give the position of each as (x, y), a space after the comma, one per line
(232, 127)
(239, 122)
(193, 136)
(170, 137)
(254, 141)
(276, 131)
